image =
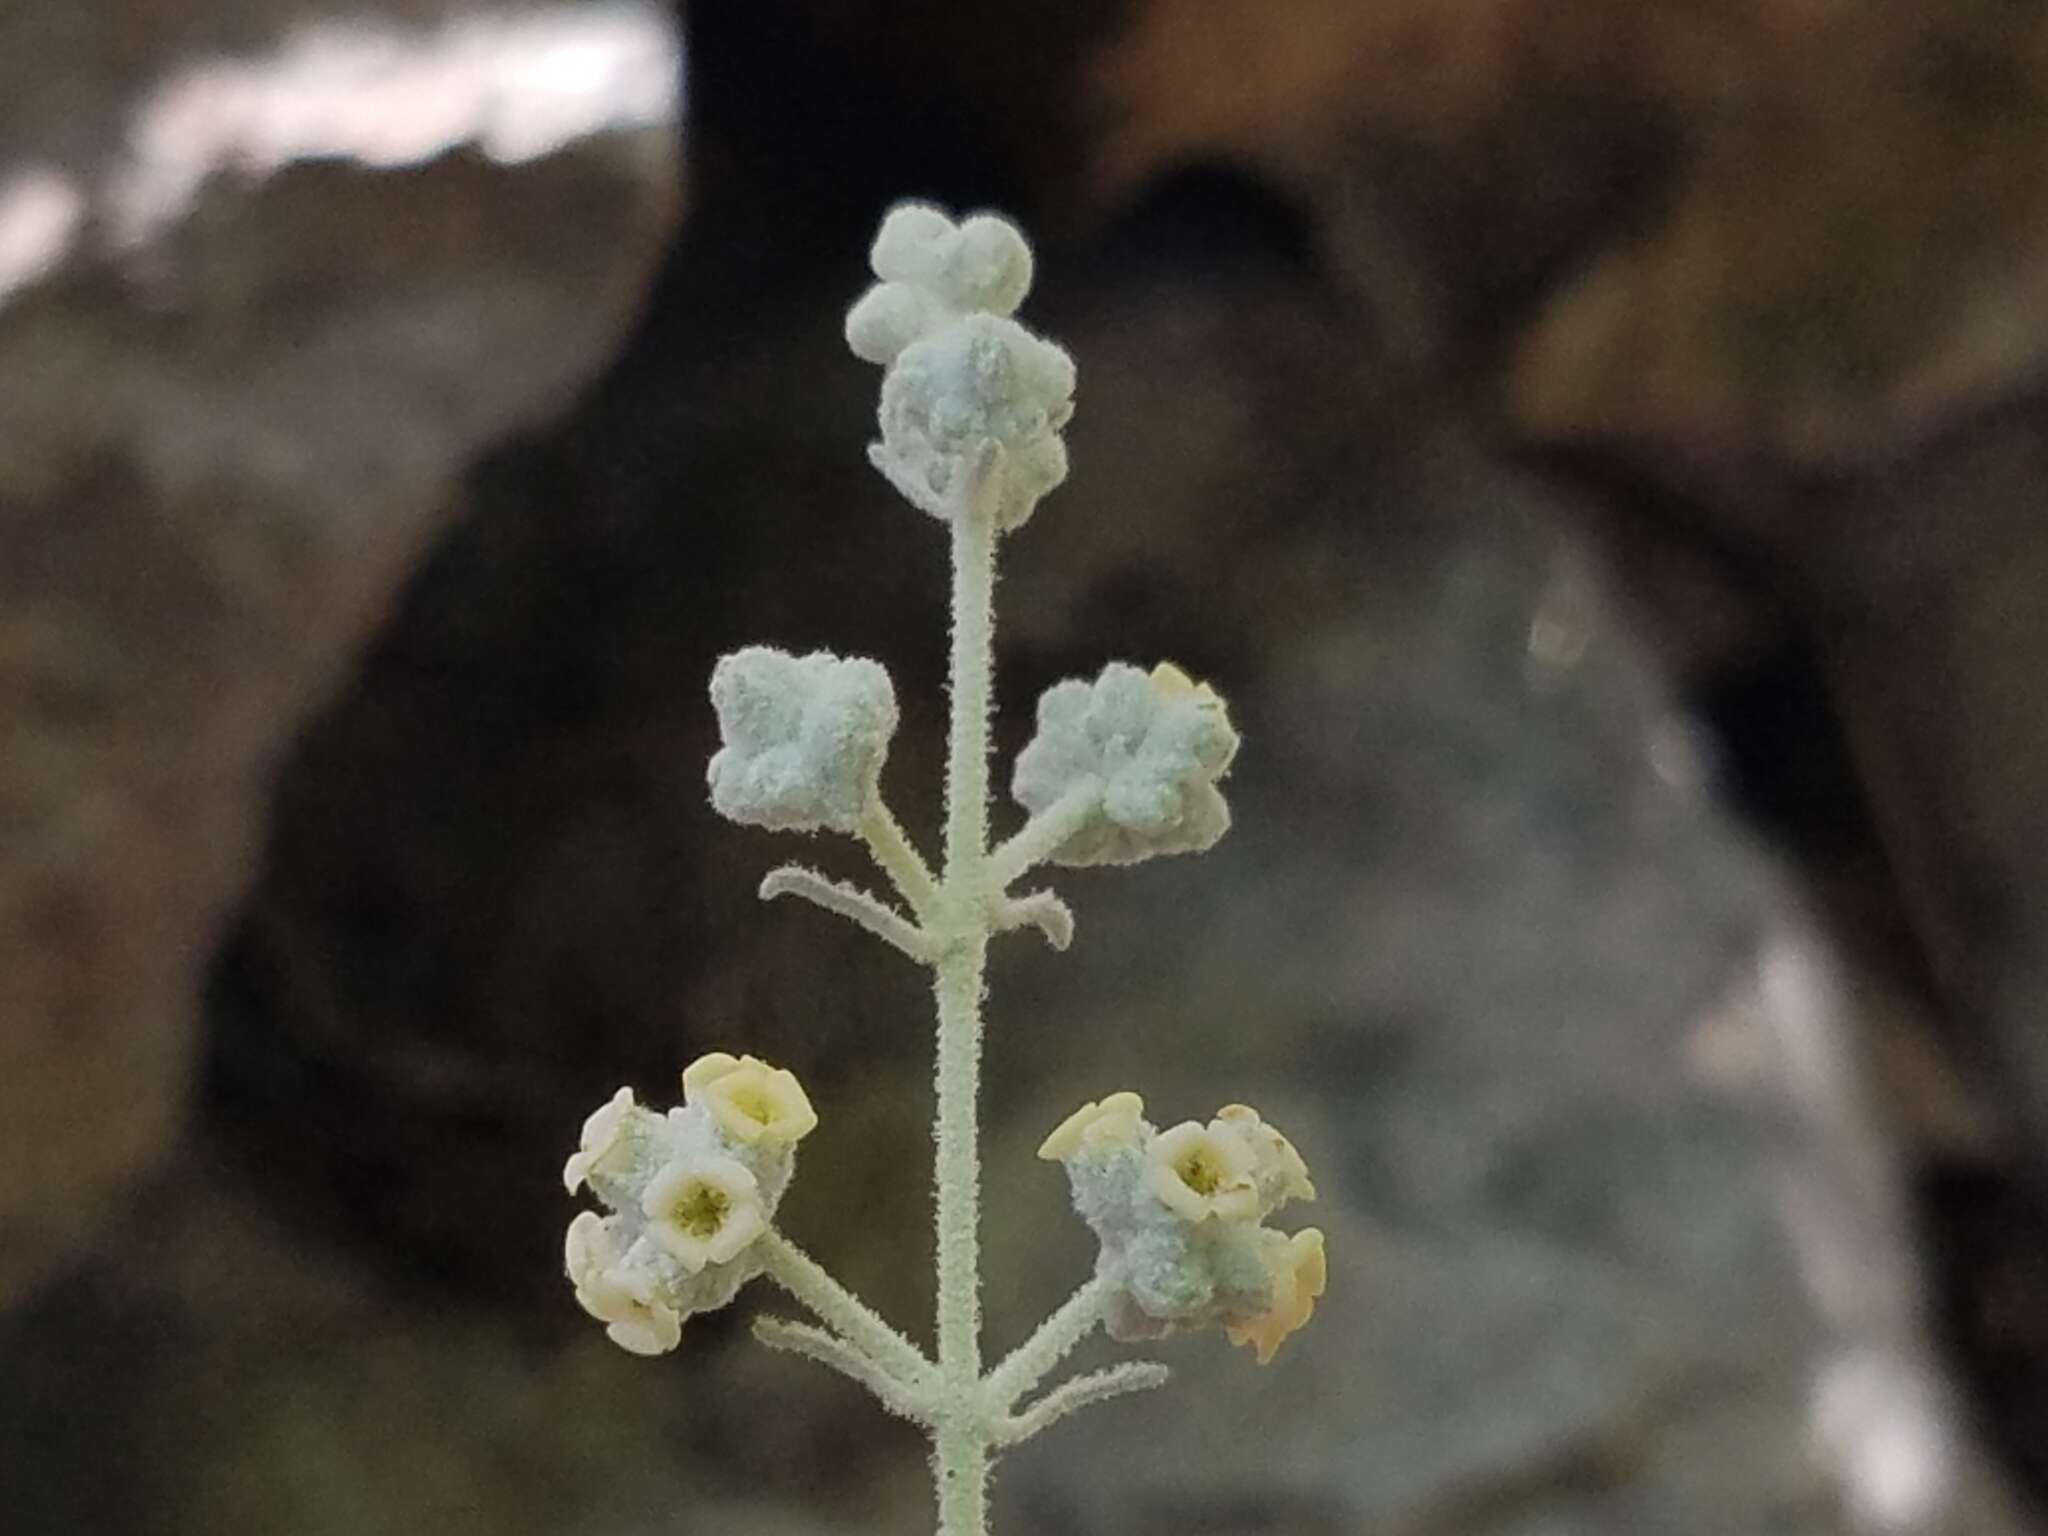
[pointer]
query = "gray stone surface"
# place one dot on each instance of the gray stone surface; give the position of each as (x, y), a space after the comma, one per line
(270, 276)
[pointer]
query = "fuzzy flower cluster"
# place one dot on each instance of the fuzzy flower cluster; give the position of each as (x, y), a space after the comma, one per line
(1180, 1215)
(961, 377)
(804, 738)
(1154, 744)
(687, 1193)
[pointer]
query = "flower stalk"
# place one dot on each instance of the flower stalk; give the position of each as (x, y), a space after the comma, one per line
(851, 903)
(1122, 768)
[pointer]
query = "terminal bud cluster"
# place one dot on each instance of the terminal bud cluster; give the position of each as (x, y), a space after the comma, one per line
(960, 376)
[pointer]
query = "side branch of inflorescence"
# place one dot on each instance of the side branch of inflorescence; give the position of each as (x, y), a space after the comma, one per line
(1075, 1394)
(835, 1353)
(1039, 837)
(853, 904)
(809, 1283)
(1050, 1343)
(898, 858)
(1041, 910)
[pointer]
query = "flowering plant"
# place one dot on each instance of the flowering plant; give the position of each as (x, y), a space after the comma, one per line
(1121, 769)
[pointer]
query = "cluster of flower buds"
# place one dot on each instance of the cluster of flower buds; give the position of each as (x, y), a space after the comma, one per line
(804, 738)
(1180, 1215)
(961, 376)
(1153, 745)
(1131, 760)
(687, 1193)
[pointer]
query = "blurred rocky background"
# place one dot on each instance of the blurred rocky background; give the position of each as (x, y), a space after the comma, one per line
(1595, 448)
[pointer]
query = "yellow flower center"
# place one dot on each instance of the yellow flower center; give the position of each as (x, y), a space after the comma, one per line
(1201, 1170)
(755, 1102)
(700, 1209)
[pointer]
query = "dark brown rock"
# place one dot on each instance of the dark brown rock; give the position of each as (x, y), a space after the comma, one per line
(1851, 262)
(264, 290)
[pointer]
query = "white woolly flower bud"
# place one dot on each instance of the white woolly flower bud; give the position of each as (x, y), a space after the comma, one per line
(962, 379)
(949, 397)
(1177, 1214)
(686, 1197)
(804, 738)
(989, 266)
(980, 265)
(911, 245)
(889, 317)
(1154, 745)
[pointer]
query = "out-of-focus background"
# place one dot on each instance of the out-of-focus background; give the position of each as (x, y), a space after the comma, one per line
(1598, 448)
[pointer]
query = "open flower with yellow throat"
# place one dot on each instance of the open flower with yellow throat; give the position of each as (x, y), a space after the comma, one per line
(752, 1101)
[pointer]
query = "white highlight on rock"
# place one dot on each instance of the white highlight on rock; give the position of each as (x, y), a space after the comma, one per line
(1884, 1425)
(40, 212)
(515, 87)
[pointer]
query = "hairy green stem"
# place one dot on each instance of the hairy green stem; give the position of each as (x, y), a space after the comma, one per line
(1078, 1393)
(1042, 835)
(805, 1279)
(898, 856)
(835, 1353)
(960, 1446)
(1028, 1364)
(851, 903)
